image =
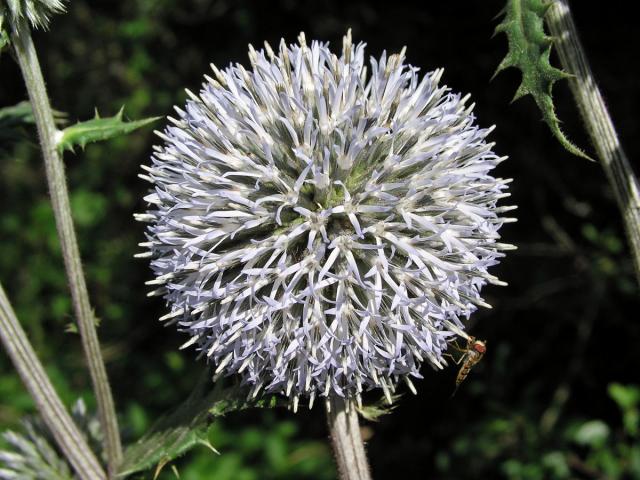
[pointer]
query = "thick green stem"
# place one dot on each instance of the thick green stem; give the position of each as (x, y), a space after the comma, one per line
(69, 438)
(30, 67)
(346, 441)
(598, 122)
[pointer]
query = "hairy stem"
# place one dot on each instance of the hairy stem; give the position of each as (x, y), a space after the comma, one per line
(30, 67)
(346, 441)
(598, 122)
(69, 438)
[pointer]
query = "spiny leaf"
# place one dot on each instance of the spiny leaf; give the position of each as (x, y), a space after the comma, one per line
(187, 426)
(376, 410)
(98, 129)
(529, 50)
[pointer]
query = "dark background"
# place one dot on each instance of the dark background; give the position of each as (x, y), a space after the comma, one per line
(557, 394)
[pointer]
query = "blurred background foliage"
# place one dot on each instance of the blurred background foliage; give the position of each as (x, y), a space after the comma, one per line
(557, 396)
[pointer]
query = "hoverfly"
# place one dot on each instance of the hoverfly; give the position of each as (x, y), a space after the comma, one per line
(471, 355)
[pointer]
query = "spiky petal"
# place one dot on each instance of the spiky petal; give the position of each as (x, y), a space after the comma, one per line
(319, 227)
(36, 12)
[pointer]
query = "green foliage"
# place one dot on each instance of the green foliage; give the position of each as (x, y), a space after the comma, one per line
(18, 124)
(187, 426)
(14, 121)
(143, 53)
(591, 447)
(4, 38)
(18, 114)
(374, 411)
(98, 129)
(613, 454)
(272, 450)
(593, 433)
(529, 50)
(627, 397)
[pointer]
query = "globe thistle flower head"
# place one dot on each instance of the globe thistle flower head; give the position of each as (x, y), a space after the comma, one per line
(36, 12)
(321, 226)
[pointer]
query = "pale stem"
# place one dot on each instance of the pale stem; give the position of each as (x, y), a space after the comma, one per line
(69, 438)
(598, 122)
(27, 58)
(346, 440)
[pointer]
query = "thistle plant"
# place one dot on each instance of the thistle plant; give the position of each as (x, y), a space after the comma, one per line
(319, 224)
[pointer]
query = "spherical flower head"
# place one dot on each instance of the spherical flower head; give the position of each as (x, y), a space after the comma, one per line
(36, 12)
(322, 227)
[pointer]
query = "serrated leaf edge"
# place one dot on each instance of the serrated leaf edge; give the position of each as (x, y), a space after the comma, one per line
(519, 40)
(65, 138)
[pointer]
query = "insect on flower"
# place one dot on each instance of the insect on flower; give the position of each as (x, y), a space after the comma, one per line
(472, 354)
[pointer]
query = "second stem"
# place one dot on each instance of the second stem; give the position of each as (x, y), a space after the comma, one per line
(599, 125)
(30, 67)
